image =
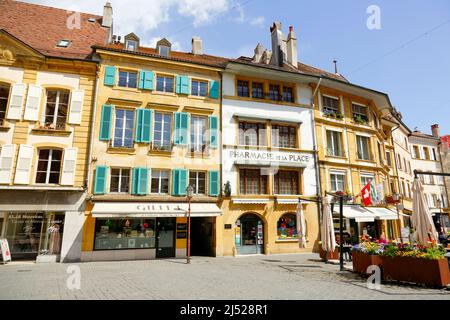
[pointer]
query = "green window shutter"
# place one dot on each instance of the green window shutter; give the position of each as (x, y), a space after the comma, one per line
(110, 76)
(139, 125)
(185, 85)
(214, 89)
(146, 125)
(175, 182)
(146, 80)
(214, 183)
(183, 181)
(135, 181)
(100, 180)
(181, 128)
(178, 84)
(142, 188)
(213, 131)
(105, 124)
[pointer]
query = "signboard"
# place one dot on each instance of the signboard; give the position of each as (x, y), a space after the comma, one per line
(260, 233)
(181, 235)
(228, 226)
(6, 254)
(181, 226)
(266, 157)
(405, 232)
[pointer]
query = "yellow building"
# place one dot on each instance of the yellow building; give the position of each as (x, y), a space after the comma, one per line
(355, 147)
(156, 131)
(46, 97)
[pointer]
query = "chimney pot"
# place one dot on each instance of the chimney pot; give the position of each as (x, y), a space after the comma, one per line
(435, 130)
(291, 29)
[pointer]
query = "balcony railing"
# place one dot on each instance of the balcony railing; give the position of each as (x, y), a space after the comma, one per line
(161, 147)
(362, 156)
(271, 97)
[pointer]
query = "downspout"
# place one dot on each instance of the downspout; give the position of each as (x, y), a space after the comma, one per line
(395, 161)
(442, 170)
(316, 160)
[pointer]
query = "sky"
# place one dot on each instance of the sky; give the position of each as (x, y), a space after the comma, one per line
(403, 51)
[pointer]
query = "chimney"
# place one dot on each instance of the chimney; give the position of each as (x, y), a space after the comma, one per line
(435, 130)
(259, 50)
(107, 15)
(278, 45)
(266, 56)
(292, 52)
(197, 45)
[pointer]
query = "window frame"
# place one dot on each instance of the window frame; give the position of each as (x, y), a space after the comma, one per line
(199, 81)
(57, 106)
(341, 149)
(326, 107)
(344, 180)
(293, 185)
(48, 169)
(160, 178)
(261, 133)
(193, 147)
(239, 88)
(124, 128)
(365, 115)
(121, 169)
(196, 186)
(359, 144)
(8, 88)
(165, 76)
(292, 137)
(260, 182)
(164, 114)
(127, 71)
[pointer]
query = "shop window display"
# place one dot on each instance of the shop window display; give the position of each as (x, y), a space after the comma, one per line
(287, 227)
(117, 234)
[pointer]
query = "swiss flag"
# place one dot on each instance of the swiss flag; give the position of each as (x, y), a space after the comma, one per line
(365, 193)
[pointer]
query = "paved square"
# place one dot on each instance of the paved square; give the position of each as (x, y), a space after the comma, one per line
(293, 276)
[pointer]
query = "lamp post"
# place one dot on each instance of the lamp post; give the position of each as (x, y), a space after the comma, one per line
(189, 193)
(396, 198)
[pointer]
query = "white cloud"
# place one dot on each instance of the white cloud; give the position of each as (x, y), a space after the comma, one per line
(258, 21)
(202, 11)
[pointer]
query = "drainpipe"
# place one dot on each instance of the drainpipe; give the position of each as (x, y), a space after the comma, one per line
(442, 170)
(93, 115)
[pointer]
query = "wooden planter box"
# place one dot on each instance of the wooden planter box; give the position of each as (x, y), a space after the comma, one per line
(433, 273)
(331, 255)
(361, 261)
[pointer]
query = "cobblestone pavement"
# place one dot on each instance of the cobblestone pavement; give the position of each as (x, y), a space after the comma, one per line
(294, 276)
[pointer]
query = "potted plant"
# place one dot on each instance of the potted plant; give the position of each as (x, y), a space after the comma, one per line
(365, 254)
(359, 120)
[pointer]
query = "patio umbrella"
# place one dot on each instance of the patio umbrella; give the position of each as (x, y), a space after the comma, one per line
(328, 238)
(421, 216)
(301, 226)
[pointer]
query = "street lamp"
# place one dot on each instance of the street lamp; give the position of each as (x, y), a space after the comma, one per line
(189, 194)
(396, 198)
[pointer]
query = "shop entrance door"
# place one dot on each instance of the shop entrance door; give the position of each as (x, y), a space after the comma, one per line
(249, 237)
(165, 237)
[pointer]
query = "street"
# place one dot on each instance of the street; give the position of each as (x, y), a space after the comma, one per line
(290, 276)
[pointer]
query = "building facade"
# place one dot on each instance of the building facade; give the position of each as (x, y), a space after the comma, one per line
(155, 131)
(46, 98)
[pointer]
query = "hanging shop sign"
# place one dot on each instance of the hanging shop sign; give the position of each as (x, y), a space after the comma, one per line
(6, 254)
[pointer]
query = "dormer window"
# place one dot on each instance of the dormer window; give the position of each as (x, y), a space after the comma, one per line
(131, 42)
(163, 47)
(63, 43)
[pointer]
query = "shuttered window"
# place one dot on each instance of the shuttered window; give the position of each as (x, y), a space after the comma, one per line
(56, 109)
(49, 166)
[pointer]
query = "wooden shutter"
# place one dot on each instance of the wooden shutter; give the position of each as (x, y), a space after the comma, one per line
(214, 89)
(138, 133)
(143, 181)
(214, 183)
(182, 84)
(100, 180)
(146, 125)
(69, 166)
(33, 103)
(148, 80)
(76, 106)
(23, 167)
(6, 162)
(175, 182)
(183, 182)
(135, 181)
(110, 76)
(181, 128)
(213, 132)
(16, 101)
(105, 124)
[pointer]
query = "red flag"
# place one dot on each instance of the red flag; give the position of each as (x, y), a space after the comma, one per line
(365, 194)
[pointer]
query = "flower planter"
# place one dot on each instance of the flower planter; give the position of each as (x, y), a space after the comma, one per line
(361, 261)
(417, 270)
(331, 255)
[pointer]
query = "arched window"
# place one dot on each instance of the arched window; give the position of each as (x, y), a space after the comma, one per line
(287, 227)
(49, 166)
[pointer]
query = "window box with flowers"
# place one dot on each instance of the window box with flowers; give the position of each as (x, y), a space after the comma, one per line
(358, 119)
(366, 254)
(334, 115)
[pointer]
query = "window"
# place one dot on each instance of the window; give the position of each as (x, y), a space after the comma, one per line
(274, 92)
(252, 134)
(388, 159)
(434, 154)
(365, 179)
(403, 189)
(4, 94)
(243, 88)
(409, 190)
(56, 109)
(251, 181)
(125, 233)
(131, 45)
(416, 153)
(127, 79)
(334, 145)
(409, 166)
(363, 148)
(198, 127)
(406, 143)
(63, 43)
(120, 181)
(123, 130)
(161, 131)
(405, 167)
(163, 51)
(426, 152)
(380, 156)
(284, 136)
(286, 182)
(164, 83)
(360, 112)
(287, 227)
(199, 88)
(399, 162)
(197, 179)
(49, 166)
(288, 95)
(337, 181)
(375, 121)
(160, 182)
(257, 90)
(330, 105)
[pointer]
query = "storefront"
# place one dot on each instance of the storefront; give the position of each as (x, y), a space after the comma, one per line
(35, 224)
(135, 231)
(249, 234)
